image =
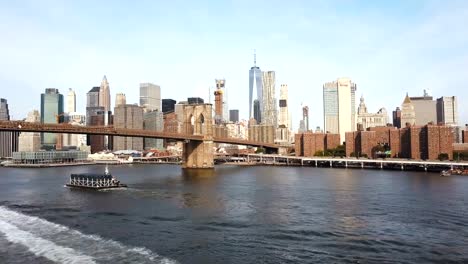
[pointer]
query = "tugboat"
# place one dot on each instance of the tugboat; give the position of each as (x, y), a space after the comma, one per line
(94, 181)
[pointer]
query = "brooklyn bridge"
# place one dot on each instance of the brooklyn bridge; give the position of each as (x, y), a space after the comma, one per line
(196, 134)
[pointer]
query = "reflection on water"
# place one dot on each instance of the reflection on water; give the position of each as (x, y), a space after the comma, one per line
(242, 214)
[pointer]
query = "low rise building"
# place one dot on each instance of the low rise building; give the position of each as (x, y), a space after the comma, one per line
(310, 144)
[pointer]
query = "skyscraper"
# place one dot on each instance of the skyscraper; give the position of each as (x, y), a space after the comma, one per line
(447, 110)
(8, 140)
(4, 111)
(305, 119)
(92, 104)
(150, 96)
(408, 115)
(255, 85)
(284, 119)
(128, 116)
(284, 123)
(218, 106)
(339, 107)
(234, 115)
(71, 101)
(221, 85)
(51, 109)
(425, 109)
(269, 111)
(397, 118)
(104, 95)
(120, 99)
(168, 105)
(153, 120)
(30, 141)
(257, 111)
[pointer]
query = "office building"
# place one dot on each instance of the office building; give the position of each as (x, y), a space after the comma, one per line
(30, 141)
(447, 110)
(4, 111)
(71, 101)
(168, 105)
(51, 113)
(283, 132)
(221, 85)
(150, 97)
(257, 111)
(97, 118)
(194, 100)
(128, 116)
(104, 95)
(120, 99)
(339, 107)
(8, 140)
(92, 97)
(75, 140)
(366, 120)
(425, 109)
(304, 123)
(262, 133)
(234, 115)
(269, 114)
(153, 120)
(255, 90)
(397, 118)
(218, 93)
(408, 114)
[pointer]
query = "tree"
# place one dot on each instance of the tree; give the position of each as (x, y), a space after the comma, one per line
(260, 150)
(443, 156)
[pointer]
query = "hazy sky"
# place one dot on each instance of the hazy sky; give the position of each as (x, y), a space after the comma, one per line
(387, 47)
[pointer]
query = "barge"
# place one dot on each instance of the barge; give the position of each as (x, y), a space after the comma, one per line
(94, 181)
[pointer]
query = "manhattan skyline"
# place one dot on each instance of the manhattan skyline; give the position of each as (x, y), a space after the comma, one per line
(387, 49)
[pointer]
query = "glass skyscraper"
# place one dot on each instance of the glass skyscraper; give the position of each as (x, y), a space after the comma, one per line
(339, 107)
(51, 108)
(150, 96)
(255, 80)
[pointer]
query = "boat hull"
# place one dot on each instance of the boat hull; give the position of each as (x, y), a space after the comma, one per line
(96, 188)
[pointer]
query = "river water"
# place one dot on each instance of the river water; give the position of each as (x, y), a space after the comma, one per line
(234, 215)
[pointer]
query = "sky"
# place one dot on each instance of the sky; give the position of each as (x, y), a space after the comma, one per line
(388, 48)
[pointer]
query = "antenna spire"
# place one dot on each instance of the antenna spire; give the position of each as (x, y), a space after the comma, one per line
(255, 58)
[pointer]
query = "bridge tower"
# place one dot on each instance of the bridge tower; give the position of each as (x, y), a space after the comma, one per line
(198, 120)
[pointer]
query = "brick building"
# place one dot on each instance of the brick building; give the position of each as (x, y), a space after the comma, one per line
(415, 142)
(465, 136)
(308, 143)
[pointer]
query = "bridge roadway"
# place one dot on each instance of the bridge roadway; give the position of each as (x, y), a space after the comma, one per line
(125, 132)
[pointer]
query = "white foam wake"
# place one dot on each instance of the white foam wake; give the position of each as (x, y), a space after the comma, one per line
(42, 247)
(72, 243)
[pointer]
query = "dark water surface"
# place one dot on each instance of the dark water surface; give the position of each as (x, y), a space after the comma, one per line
(234, 215)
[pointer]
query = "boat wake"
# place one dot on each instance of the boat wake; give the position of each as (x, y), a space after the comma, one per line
(61, 244)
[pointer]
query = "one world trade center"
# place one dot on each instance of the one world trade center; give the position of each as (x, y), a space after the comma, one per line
(255, 84)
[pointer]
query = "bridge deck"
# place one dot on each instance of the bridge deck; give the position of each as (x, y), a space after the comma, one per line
(125, 132)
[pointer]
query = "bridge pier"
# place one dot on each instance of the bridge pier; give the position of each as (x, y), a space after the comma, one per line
(198, 155)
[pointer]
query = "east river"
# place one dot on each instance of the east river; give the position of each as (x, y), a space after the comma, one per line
(234, 215)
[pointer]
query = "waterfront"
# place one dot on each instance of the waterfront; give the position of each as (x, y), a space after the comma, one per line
(234, 215)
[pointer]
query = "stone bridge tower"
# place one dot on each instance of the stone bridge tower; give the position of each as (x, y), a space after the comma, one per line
(198, 120)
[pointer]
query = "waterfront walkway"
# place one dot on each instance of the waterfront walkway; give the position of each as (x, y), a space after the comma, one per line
(402, 164)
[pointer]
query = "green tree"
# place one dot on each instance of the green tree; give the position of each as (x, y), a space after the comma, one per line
(443, 156)
(260, 150)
